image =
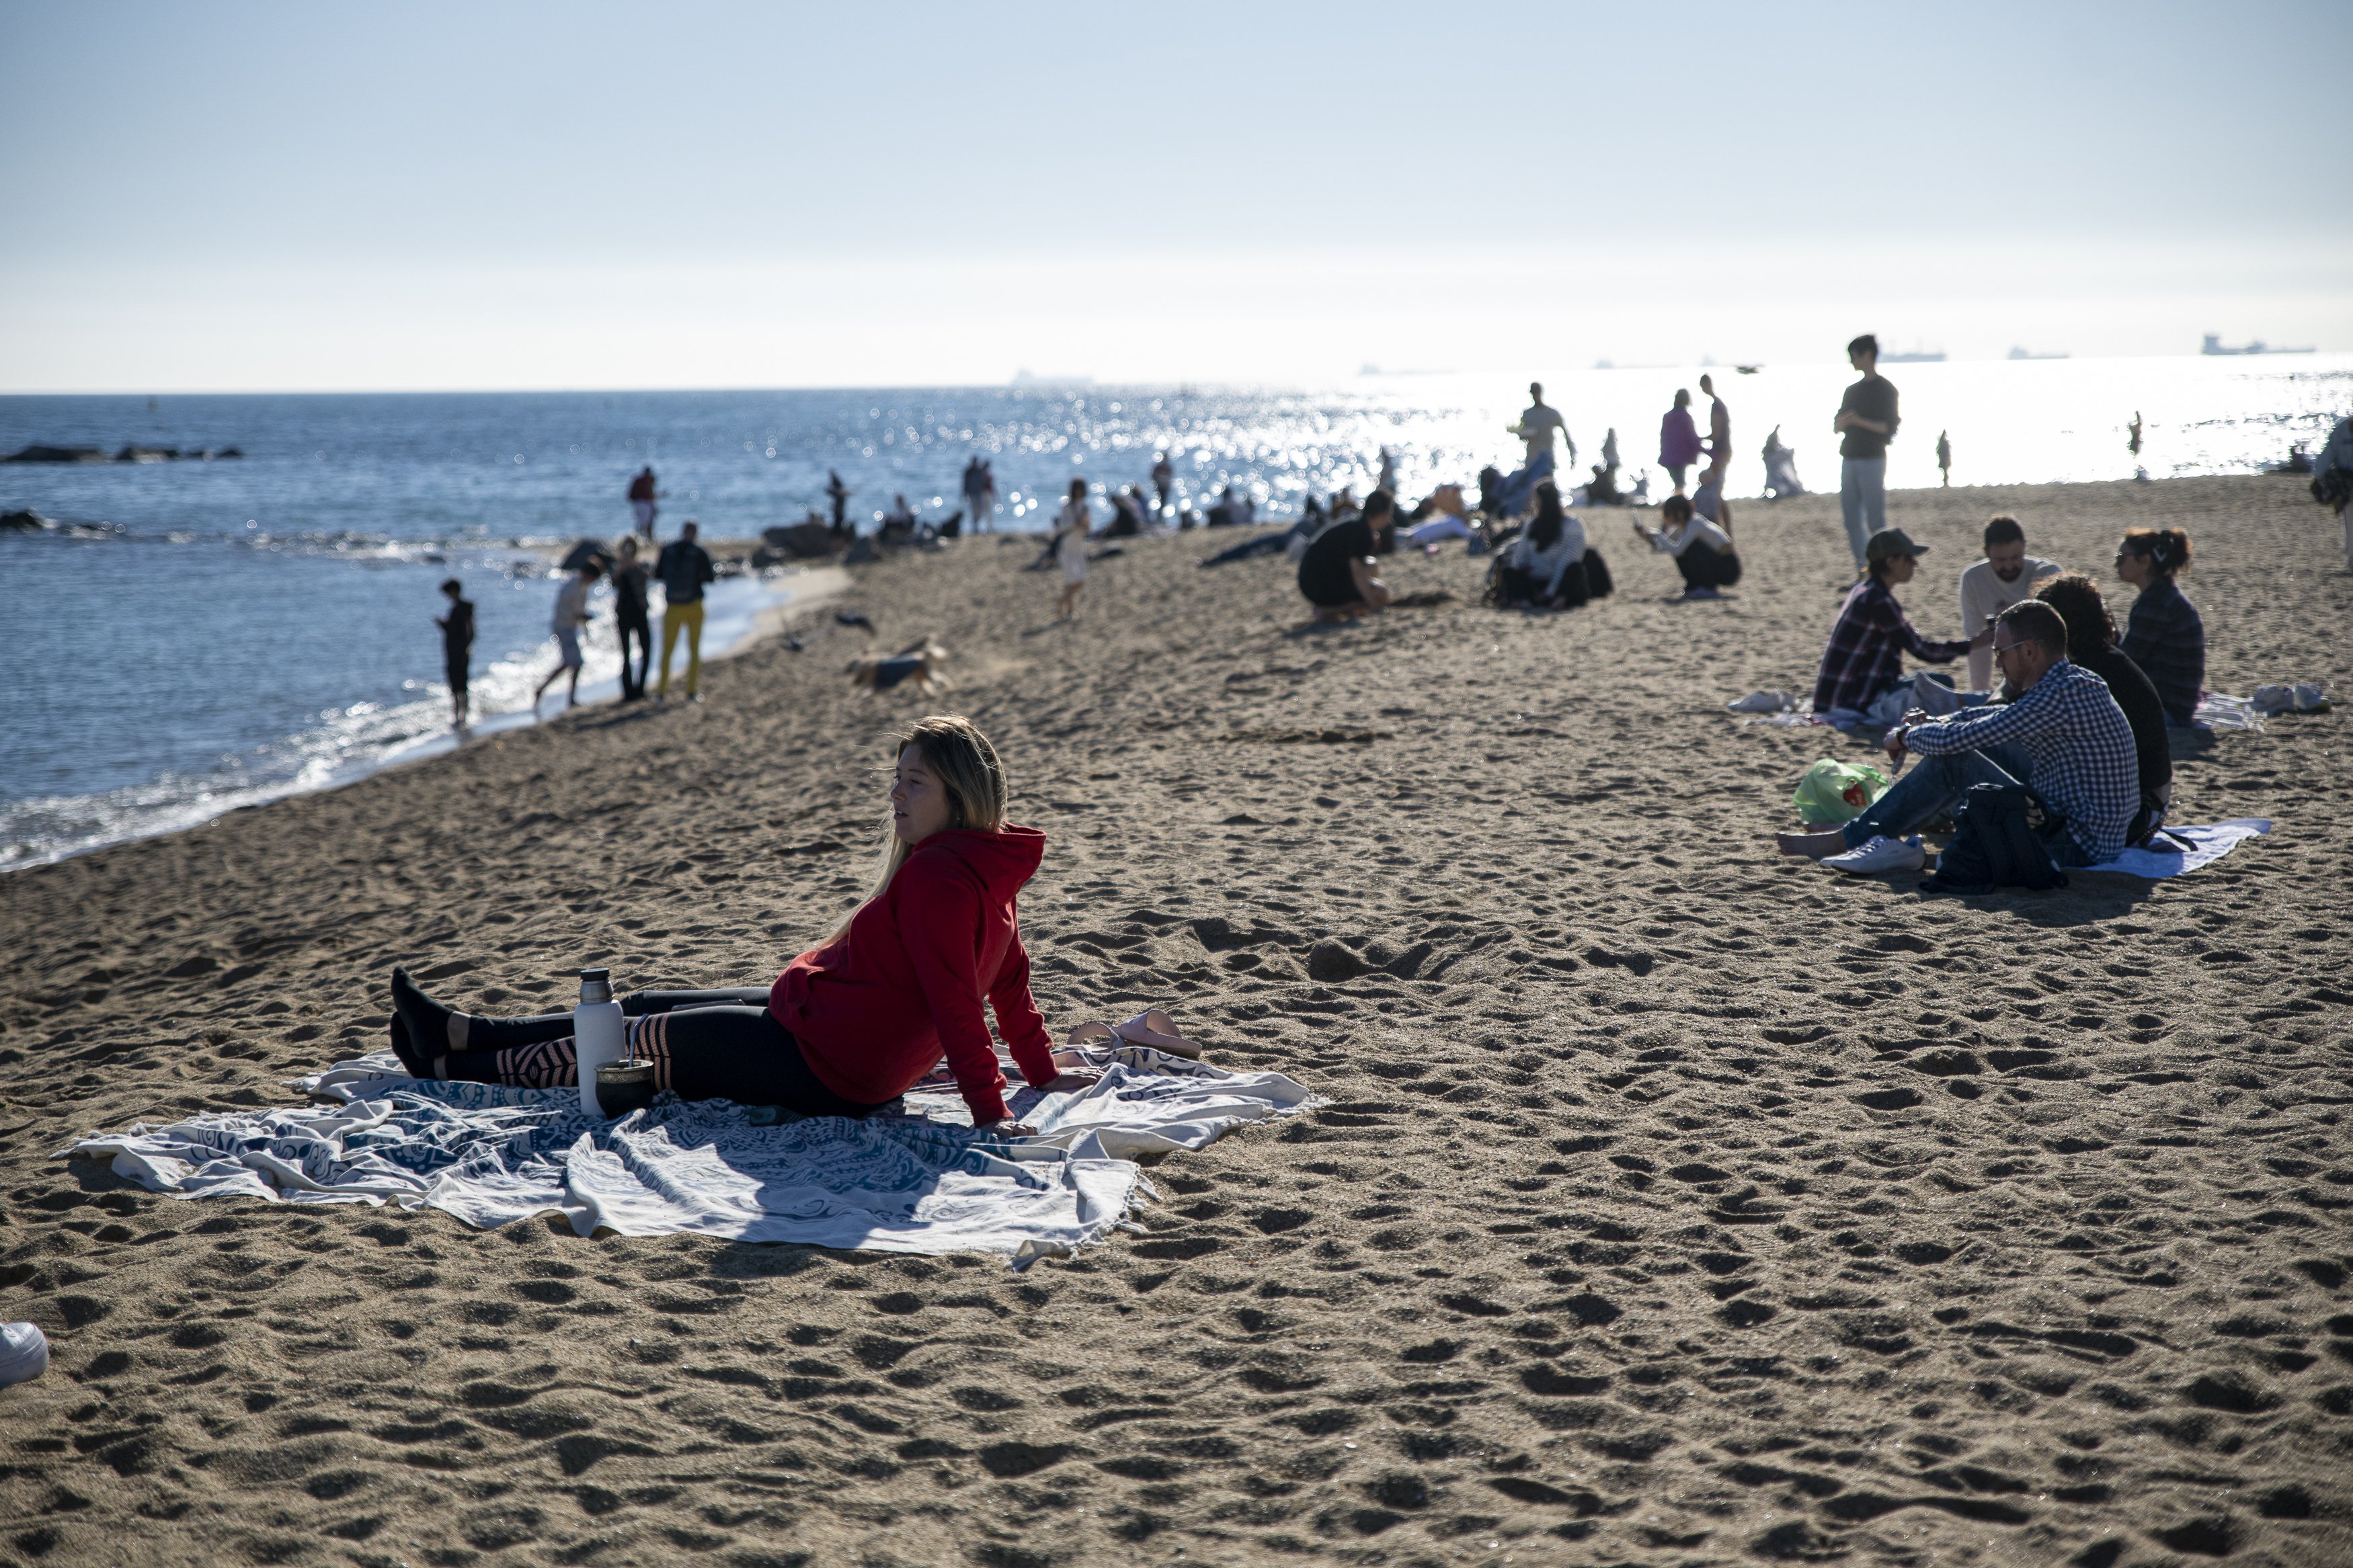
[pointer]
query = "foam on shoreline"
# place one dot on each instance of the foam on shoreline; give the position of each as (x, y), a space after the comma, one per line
(367, 737)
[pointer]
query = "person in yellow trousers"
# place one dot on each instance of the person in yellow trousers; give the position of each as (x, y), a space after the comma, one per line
(683, 567)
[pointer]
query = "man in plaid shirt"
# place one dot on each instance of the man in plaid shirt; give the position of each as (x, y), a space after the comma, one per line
(1865, 656)
(2061, 734)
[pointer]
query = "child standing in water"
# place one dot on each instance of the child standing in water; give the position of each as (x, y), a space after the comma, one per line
(457, 647)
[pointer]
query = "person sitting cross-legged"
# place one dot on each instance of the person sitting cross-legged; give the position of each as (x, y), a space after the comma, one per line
(1864, 660)
(2061, 734)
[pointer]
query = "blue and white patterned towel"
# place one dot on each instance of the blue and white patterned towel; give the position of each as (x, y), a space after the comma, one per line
(918, 1181)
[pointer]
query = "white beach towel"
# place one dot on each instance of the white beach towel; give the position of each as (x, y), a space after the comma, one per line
(920, 1180)
(2192, 847)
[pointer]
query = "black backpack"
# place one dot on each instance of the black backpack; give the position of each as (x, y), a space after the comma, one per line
(1994, 846)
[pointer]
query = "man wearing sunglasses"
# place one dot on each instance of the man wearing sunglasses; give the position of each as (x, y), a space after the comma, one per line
(2059, 733)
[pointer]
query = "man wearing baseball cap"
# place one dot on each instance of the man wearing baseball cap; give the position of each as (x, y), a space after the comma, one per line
(2061, 734)
(1864, 660)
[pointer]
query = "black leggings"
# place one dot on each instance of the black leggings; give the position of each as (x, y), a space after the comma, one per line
(703, 1045)
(1705, 566)
(638, 627)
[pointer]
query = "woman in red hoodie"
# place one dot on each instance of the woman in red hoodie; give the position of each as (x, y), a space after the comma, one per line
(851, 1025)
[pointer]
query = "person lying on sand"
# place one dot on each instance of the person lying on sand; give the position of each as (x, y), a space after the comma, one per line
(2062, 735)
(1864, 660)
(854, 1023)
(1336, 572)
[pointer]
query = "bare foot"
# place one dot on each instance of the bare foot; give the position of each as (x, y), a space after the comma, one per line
(1812, 845)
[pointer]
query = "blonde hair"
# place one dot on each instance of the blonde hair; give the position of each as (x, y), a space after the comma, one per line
(963, 761)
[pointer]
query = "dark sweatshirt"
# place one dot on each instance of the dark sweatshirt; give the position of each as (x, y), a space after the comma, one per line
(2129, 684)
(1872, 397)
(2166, 637)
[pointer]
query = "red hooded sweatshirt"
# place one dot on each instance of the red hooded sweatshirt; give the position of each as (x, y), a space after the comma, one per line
(874, 1008)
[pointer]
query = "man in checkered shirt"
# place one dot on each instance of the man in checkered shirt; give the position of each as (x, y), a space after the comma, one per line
(2061, 734)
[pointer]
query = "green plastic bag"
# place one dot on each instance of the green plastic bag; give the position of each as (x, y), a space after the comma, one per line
(1833, 791)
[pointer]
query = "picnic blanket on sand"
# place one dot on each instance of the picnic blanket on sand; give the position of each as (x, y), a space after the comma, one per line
(920, 1180)
(2174, 851)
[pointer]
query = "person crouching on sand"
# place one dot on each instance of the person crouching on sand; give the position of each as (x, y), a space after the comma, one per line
(854, 1023)
(1702, 551)
(1337, 572)
(571, 615)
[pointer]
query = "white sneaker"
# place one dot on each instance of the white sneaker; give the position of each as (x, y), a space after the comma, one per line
(24, 1352)
(1882, 854)
(1762, 702)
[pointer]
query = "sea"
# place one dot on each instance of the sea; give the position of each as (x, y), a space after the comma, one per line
(199, 635)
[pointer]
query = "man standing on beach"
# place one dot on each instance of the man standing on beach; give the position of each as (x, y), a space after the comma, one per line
(457, 647)
(980, 495)
(1944, 455)
(837, 493)
(1867, 421)
(683, 568)
(641, 501)
(1536, 427)
(1719, 426)
(1164, 480)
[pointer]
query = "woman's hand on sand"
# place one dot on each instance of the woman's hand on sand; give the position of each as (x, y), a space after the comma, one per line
(1009, 1128)
(1072, 1082)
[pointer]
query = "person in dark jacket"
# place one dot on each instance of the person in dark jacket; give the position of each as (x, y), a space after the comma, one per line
(457, 648)
(2164, 635)
(684, 568)
(854, 1023)
(630, 612)
(2092, 643)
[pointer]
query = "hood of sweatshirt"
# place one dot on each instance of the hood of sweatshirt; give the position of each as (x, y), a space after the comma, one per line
(1003, 860)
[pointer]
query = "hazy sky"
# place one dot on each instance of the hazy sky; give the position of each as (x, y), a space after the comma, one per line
(254, 196)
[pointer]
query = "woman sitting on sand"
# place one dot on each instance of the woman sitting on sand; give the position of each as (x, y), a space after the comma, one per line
(1543, 568)
(853, 1024)
(1702, 551)
(2165, 635)
(1864, 660)
(2092, 643)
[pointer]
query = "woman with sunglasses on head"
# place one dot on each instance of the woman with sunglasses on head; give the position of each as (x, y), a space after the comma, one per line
(2164, 635)
(854, 1023)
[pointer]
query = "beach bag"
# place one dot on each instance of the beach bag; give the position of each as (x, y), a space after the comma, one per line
(1833, 791)
(1598, 583)
(1994, 846)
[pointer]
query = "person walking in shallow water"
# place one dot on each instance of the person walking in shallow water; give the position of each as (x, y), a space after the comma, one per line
(1945, 456)
(1866, 421)
(641, 501)
(839, 494)
(629, 618)
(571, 615)
(457, 648)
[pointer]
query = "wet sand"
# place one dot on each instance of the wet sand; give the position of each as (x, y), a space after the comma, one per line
(1676, 1202)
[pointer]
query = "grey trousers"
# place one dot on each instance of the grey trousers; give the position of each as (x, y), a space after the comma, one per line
(1862, 500)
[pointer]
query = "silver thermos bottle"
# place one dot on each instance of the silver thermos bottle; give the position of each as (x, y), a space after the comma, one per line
(596, 1033)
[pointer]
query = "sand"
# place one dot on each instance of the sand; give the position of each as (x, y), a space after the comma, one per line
(1675, 1202)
